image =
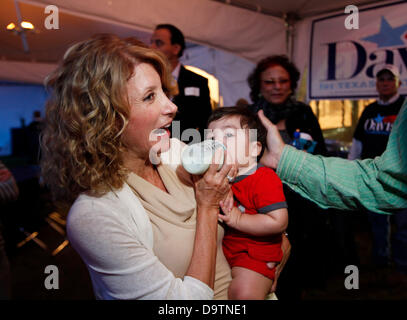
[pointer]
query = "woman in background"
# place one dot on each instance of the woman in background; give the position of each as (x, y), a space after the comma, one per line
(273, 83)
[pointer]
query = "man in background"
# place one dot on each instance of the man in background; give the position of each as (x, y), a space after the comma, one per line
(193, 100)
(370, 140)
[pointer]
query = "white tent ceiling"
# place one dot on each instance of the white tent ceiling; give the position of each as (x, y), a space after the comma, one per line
(250, 29)
(300, 8)
(202, 21)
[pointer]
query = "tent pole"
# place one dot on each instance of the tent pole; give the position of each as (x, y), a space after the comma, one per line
(22, 32)
(290, 19)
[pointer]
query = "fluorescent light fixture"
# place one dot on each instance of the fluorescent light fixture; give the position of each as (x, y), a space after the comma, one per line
(11, 26)
(27, 25)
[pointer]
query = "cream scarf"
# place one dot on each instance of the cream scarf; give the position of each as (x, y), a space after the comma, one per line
(173, 217)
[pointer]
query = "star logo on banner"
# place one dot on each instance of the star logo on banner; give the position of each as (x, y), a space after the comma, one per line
(379, 118)
(388, 36)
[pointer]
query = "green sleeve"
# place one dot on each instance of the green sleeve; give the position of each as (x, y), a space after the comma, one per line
(378, 184)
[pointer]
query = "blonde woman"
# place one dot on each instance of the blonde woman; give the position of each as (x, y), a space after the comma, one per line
(142, 233)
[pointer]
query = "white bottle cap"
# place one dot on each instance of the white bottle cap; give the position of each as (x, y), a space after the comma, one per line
(305, 136)
(196, 158)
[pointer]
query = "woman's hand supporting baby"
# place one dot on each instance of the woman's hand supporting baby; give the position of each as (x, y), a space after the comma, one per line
(210, 190)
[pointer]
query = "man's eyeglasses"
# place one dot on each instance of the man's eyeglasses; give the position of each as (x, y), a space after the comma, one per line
(158, 43)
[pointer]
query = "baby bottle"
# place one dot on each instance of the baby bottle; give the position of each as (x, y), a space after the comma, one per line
(196, 158)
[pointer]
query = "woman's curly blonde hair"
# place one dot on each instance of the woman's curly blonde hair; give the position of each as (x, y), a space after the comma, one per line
(87, 113)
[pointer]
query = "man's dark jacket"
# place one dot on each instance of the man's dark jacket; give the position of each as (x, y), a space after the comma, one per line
(193, 101)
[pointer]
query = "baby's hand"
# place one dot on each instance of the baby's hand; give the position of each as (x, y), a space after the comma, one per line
(228, 202)
(230, 217)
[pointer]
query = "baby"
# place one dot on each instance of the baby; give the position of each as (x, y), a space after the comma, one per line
(259, 217)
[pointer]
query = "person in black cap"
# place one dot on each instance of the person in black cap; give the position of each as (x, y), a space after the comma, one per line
(370, 140)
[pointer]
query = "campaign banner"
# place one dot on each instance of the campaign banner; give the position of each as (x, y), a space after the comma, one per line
(343, 60)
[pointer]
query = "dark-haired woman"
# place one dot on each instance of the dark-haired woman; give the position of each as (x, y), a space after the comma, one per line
(273, 83)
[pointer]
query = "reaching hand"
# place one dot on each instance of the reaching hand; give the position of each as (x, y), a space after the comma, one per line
(275, 143)
(228, 202)
(230, 217)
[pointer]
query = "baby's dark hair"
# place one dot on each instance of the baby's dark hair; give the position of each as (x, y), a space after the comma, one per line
(248, 120)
